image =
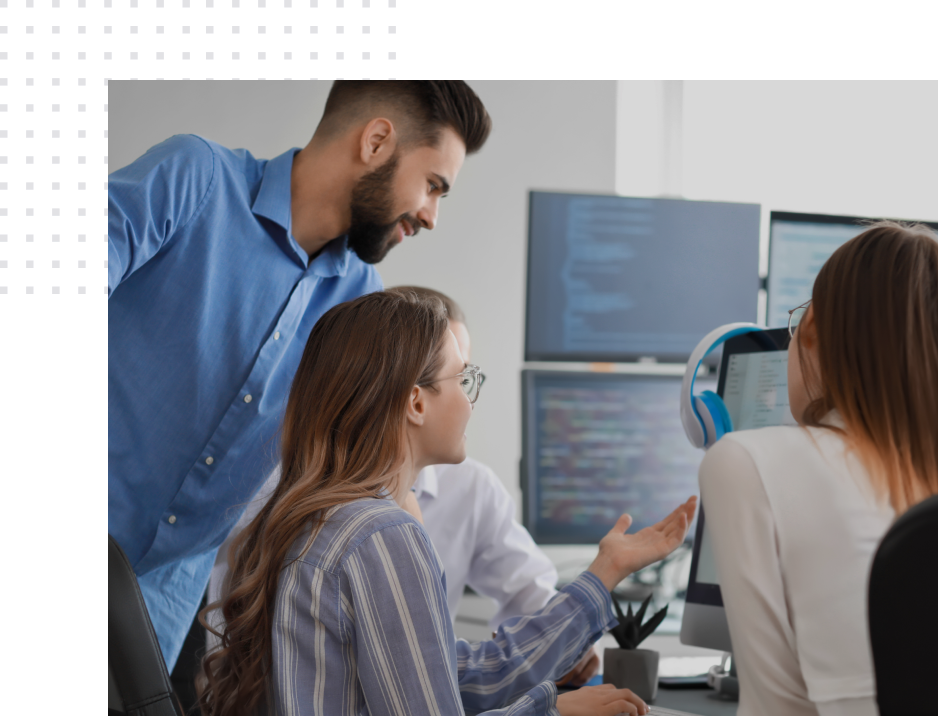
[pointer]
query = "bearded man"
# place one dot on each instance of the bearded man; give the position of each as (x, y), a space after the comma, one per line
(219, 266)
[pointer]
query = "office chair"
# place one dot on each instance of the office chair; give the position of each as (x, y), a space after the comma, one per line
(138, 684)
(903, 613)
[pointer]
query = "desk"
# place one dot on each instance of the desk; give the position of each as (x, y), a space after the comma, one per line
(696, 701)
(472, 624)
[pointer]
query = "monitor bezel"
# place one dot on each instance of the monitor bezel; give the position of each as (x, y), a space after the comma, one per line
(590, 357)
(527, 482)
(765, 341)
(806, 218)
(701, 592)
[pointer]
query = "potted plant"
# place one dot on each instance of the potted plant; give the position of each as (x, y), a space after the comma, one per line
(629, 667)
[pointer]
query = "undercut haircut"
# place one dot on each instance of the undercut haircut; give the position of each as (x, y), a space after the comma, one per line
(422, 108)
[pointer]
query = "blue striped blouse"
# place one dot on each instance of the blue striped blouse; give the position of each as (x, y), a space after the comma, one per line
(361, 626)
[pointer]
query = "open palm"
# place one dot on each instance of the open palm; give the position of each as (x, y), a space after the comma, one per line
(621, 554)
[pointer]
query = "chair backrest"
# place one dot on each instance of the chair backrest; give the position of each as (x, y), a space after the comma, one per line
(903, 613)
(135, 661)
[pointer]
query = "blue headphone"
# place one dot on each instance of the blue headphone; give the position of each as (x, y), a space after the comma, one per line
(705, 417)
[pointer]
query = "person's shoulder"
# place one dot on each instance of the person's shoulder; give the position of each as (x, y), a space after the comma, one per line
(179, 156)
(471, 477)
(353, 523)
(197, 151)
(775, 435)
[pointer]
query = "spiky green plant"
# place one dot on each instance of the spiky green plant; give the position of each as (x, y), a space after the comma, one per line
(630, 632)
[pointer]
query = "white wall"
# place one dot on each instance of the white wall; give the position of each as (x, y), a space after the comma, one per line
(546, 135)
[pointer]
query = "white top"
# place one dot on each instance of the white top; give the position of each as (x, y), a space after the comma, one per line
(795, 523)
(469, 516)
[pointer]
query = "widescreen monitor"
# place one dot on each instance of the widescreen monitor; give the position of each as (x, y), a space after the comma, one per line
(754, 386)
(596, 445)
(799, 244)
(614, 278)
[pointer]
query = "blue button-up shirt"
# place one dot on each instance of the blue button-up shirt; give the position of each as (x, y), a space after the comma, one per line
(211, 301)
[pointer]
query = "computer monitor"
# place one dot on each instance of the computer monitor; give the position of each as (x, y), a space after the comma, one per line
(754, 386)
(596, 445)
(799, 244)
(614, 278)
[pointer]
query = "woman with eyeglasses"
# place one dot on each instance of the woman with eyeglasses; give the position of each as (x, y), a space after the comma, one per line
(336, 603)
(796, 513)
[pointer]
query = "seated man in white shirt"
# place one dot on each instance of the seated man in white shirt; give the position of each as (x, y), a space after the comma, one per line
(488, 551)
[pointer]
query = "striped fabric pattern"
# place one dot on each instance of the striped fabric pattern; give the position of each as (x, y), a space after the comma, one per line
(361, 626)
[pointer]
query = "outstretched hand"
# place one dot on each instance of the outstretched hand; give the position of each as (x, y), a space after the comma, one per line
(621, 554)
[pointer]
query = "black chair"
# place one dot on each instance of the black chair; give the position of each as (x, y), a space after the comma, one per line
(903, 613)
(138, 684)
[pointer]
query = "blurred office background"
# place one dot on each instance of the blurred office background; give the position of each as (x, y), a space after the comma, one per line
(861, 148)
(850, 148)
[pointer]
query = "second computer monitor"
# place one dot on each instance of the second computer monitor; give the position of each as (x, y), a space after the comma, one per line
(596, 445)
(799, 244)
(614, 278)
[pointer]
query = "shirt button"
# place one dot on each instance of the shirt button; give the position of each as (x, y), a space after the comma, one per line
(247, 398)
(172, 519)
(209, 460)
(277, 336)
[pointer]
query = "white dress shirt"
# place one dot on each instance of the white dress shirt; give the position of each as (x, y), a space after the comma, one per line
(469, 516)
(795, 523)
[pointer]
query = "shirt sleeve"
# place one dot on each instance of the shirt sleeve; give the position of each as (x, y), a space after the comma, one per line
(740, 523)
(530, 650)
(507, 566)
(408, 658)
(152, 198)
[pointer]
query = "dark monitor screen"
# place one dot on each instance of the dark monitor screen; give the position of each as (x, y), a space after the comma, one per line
(596, 445)
(799, 244)
(613, 278)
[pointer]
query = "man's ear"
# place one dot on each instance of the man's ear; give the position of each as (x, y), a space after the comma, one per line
(417, 406)
(378, 141)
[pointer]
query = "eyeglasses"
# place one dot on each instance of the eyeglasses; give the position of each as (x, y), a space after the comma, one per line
(471, 381)
(795, 315)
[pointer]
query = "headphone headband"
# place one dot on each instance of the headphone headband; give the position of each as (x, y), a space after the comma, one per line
(696, 424)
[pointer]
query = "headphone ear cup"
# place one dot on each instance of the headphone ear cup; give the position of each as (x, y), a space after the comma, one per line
(719, 417)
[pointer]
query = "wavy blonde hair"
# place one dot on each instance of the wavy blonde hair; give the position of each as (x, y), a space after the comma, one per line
(342, 439)
(875, 305)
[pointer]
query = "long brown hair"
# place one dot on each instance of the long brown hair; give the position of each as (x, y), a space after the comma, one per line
(875, 305)
(342, 439)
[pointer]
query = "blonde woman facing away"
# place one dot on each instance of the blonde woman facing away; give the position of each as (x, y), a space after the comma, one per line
(336, 603)
(796, 513)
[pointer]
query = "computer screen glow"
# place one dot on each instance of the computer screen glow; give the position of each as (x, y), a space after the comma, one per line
(756, 390)
(616, 278)
(599, 448)
(798, 250)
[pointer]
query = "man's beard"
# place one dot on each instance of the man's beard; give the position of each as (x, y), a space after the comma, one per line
(373, 230)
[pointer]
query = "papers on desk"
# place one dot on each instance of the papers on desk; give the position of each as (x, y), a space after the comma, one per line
(671, 666)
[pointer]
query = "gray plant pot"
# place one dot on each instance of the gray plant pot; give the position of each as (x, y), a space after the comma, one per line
(634, 669)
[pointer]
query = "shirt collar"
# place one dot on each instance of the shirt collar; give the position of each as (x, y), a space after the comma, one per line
(273, 201)
(427, 482)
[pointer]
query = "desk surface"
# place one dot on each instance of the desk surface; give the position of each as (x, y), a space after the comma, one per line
(705, 702)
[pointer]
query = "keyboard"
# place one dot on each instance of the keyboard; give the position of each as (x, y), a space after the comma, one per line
(659, 711)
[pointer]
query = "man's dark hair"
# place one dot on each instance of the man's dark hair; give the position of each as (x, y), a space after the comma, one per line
(424, 106)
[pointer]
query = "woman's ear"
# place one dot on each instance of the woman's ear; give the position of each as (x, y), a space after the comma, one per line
(417, 406)
(807, 330)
